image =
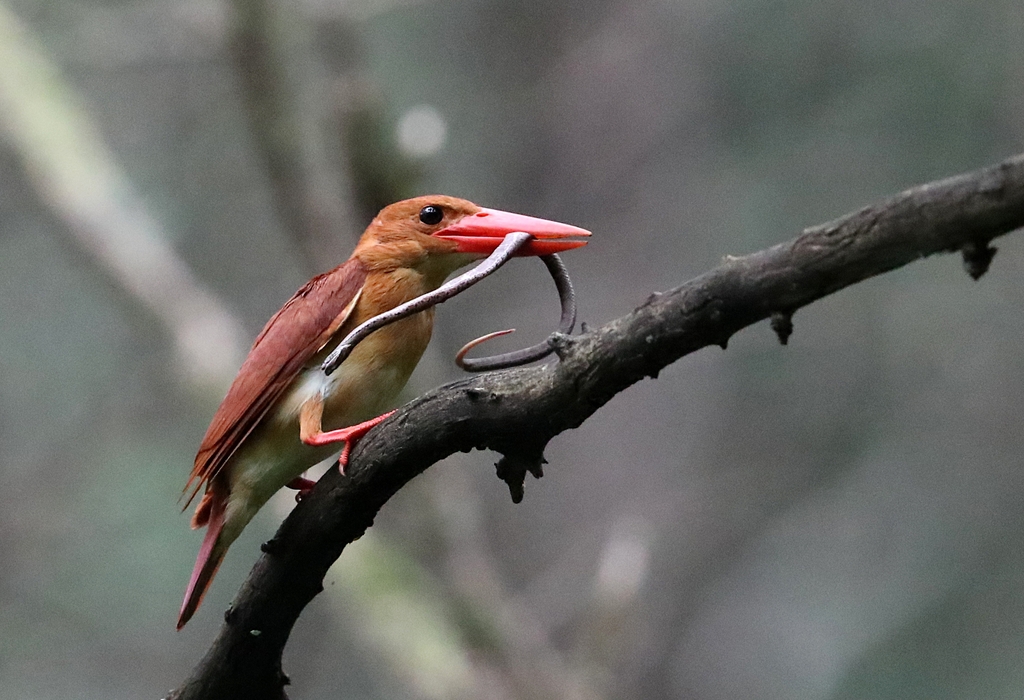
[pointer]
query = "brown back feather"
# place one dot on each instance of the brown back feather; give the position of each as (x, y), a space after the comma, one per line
(291, 337)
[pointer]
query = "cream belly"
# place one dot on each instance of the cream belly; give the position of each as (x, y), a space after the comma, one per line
(363, 387)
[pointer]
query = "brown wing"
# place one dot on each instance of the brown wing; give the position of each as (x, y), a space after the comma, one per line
(288, 341)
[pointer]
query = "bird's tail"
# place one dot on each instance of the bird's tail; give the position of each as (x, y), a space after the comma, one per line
(211, 513)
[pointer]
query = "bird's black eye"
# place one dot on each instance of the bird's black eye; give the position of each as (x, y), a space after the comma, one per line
(431, 214)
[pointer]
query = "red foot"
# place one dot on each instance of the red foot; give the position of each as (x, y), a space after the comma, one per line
(302, 485)
(347, 435)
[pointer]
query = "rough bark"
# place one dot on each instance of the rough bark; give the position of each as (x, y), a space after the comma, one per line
(516, 412)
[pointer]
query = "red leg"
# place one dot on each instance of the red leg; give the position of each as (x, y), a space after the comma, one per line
(347, 435)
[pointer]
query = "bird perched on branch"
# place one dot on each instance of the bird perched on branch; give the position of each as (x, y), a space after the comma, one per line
(284, 414)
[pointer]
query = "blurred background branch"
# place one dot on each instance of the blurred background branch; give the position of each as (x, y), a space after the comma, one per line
(287, 99)
(80, 180)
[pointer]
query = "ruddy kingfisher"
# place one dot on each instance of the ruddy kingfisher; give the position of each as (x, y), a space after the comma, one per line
(283, 413)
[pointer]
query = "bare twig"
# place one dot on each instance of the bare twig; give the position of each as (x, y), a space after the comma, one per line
(516, 412)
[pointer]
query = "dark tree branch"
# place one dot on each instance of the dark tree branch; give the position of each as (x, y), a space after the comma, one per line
(516, 412)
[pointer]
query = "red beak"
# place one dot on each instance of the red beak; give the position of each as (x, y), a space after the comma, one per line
(484, 231)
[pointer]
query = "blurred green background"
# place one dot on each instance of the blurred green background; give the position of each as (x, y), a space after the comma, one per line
(841, 518)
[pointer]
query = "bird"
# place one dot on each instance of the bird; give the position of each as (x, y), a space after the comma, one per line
(283, 414)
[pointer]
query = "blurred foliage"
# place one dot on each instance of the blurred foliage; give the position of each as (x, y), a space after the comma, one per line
(834, 519)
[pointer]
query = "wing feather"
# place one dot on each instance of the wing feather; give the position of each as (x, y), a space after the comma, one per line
(289, 340)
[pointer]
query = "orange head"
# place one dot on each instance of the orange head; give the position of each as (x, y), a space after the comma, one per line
(437, 225)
